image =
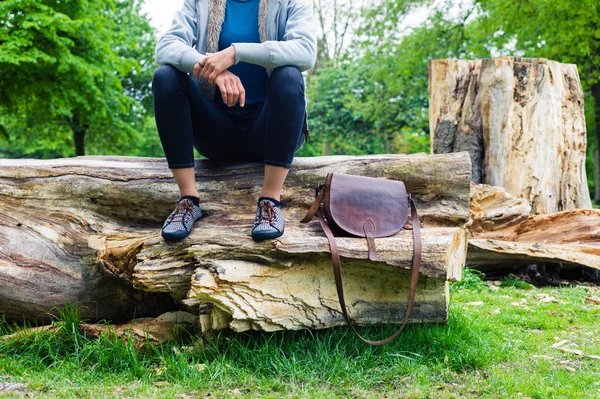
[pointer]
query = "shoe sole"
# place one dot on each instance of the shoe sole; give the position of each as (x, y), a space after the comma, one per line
(174, 236)
(266, 236)
(178, 236)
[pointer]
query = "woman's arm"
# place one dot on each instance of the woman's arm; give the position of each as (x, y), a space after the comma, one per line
(175, 46)
(298, 47)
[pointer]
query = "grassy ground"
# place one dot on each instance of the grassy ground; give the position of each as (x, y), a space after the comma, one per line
(504, 341)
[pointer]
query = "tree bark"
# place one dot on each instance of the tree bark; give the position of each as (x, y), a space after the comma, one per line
(521, 120)
(46, 262)
(326, 146)
(88, 228)
(78, 135)
(596, 95)
(597, 176)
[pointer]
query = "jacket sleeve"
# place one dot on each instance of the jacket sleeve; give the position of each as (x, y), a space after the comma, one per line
(175, 46)
(298, 47)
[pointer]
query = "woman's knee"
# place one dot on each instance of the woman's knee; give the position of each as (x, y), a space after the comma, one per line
(287, 81)
(288, 73)
(166, 77)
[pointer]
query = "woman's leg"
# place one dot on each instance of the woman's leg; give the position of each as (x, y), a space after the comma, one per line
(273, 181)
(276, 135)
(278, 128)
(186, 181)
(185, 116)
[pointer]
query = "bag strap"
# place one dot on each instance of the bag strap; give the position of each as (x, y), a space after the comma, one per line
(319, 193)
(335, 259)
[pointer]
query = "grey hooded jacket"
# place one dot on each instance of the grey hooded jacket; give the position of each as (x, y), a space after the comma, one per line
(287, 34)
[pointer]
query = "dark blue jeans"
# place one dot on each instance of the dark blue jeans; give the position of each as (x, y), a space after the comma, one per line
(269, 132)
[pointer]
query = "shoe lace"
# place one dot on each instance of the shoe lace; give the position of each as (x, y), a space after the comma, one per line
(183, 208)
(266, 213)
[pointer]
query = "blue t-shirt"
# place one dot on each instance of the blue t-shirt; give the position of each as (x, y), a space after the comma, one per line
(241, 26)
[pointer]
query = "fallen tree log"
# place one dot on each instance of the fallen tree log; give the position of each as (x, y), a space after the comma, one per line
(46, 262)
(522, 121)
(289, 283)
(503, 234)
(88, 229)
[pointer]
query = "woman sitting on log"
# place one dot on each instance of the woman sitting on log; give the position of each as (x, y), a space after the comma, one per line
(237, 96)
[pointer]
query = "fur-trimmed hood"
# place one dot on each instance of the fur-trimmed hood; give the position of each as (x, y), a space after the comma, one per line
(216, 16)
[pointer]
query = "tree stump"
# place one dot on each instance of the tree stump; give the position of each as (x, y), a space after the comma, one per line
(88, 229)
(521, 120)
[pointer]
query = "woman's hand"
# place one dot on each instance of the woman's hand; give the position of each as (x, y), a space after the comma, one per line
(231, 88)
(214, 64)
(198, 67)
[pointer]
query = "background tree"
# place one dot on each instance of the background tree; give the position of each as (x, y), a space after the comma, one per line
(75, 75)
(374, 99)
(397, 100)
(338, 20)
(336, 127)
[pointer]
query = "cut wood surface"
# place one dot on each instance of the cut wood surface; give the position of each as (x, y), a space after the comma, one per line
(522, 121)
(503, 234)
(88, 228)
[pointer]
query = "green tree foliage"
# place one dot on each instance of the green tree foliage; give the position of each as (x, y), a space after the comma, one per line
(335, 127)
(75, 76)
(345, 117)
(375, 99)
(397, 83)
(562, 30)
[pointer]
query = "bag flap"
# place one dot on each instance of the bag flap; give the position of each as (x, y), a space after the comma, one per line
(353, 200)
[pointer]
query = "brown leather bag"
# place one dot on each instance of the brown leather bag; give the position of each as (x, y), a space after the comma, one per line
(365, 207)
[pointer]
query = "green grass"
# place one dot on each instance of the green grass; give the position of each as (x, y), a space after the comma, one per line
(516, 283)
(497, 344)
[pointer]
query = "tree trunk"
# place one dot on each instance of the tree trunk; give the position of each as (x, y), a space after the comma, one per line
(46, 260)
(326, 146)
(493, 209)
(597, 176)
(521, 120)
(78, 135)
(89, 228)
(596, 95)
(288, 284)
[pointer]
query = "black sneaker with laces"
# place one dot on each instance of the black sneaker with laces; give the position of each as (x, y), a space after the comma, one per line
(268, 220)
(180, 222)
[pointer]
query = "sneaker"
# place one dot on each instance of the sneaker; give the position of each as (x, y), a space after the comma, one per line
(268, 221)
(179, 223)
